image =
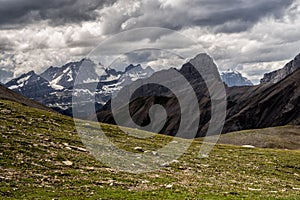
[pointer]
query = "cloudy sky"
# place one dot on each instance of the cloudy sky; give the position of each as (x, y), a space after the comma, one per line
(252, 37)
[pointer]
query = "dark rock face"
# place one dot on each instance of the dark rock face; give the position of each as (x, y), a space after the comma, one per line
(280, 74)
(248, 107)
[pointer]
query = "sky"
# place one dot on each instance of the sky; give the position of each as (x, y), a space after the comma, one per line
(252, 37)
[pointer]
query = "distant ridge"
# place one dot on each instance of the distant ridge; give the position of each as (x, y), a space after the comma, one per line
(278, 75)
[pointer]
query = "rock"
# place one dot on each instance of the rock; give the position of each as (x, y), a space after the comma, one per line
(174, 161)
(248, 146)
(253, 189)
(145, 181)
(68, 163)
(169, 186)
(139, 149)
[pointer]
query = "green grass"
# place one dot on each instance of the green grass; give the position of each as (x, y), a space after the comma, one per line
(33, 150)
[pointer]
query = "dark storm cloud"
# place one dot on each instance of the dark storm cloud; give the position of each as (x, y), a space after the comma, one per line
(238, 15)
(227, 16)
(16, 12)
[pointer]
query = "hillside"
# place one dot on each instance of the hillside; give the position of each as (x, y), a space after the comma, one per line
(6, 94)
(42, 157)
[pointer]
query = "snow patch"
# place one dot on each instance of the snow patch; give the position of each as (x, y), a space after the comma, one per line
(22, 80)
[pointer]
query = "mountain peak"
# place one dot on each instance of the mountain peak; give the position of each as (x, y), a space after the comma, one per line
(278, 75)
(131, 67)
(230, 71)
(30, 73)
(234, 78)
(201, 57)
(204, 64)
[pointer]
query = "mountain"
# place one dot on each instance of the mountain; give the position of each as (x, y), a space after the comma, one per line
(234, 78)
(280, 74)
(266, 105)
(31, 85)
(148, 95)
(54, 87)
(64, 77)
(248, 107)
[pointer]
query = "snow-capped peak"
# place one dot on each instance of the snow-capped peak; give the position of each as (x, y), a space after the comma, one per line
(230, 71)
(234, 78)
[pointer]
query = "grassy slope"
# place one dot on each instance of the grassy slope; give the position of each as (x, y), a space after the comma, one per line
(33, 148)
(285, 137)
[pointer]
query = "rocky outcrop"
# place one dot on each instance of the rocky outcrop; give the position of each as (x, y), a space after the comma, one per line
(280, 74)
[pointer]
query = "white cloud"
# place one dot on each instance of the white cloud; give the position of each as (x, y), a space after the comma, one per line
(252, 37)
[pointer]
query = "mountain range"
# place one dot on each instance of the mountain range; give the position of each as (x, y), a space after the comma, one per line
(272, 103)
(54, 87)
(275, 103)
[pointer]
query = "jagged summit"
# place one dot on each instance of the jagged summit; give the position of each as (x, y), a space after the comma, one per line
(204, 63)
(131, 67)
(234, 78)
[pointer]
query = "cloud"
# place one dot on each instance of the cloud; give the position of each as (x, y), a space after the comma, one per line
(252, 36)
(5, 75)
(15, 13)
(221, 16)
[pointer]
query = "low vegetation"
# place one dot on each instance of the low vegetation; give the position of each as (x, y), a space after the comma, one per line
(42, 157)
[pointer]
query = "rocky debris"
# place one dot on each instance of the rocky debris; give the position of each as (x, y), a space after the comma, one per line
(70, 147)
